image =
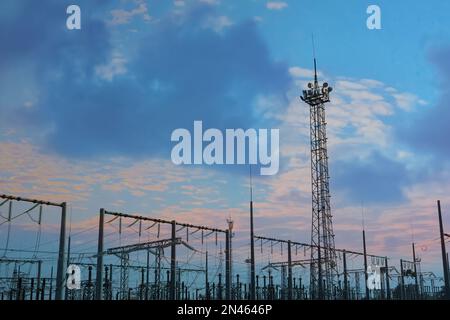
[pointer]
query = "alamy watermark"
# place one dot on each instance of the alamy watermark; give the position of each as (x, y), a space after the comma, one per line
(374, 20)
(73, 281)
(73, 21)
(235, 146)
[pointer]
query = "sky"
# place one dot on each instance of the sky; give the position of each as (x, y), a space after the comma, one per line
(86, 115)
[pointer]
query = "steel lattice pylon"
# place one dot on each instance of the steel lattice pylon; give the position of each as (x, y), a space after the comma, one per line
(323, 277)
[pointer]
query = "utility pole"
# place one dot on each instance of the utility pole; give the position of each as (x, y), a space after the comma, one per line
(448, 264)
(365, 265)
(67, 264)
(98, 280)
(207, 296)
(402, 280)
(444, 255)
(110, 297)
(173, 262)
(106, 284)
(289, 271)
(38, 285)
(388, 285)
(416, 284)
(148, 275)
(227, 266)
(252, 244)
(141, 293)
(230, 223)
(344, 257)
(60, 274)
(51, 284)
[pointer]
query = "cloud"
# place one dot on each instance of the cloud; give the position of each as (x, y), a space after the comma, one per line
(95, 100)
(276, 5)
(210, 2)
(82, 96)
(360, 121)
(116, 67)
(298, 72)
(121, 16)
(218, 23)
(27, 171)
(427, 131)
(179, 3)
(42, 176)
(373, 179)
(407, 100)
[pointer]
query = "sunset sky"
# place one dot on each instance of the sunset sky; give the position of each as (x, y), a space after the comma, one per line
(86, 115)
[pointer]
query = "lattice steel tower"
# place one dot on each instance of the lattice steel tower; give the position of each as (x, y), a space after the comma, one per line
(323, 273)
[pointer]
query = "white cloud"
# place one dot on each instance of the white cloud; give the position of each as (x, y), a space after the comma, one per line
(372, 83)
(276, 5)
(358, 105)
(350, 85)
(117, 66)
(297, 72)
(179, 3)
(218, 24)
(121, 16)
(210, 2)
(407, 101)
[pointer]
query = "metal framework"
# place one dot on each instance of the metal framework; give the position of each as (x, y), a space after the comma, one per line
(303, 263)
(408, 282)
(60, 269)
(173, 243)
(324, 271)
(123, 253)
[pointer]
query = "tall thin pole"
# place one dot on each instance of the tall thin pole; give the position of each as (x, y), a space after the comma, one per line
(230, 254)
(143, 282)
(388, 285)
(220, 287)
(60, 268)
(206, 277)
(31, 288)
(51, 285)
(110, 282)
(38, 285)
(148, 275)
(402, 281)
(68, 263)
(107, 285)
(289, 271)
(227, 266)
(43, 289)
(19, 288)
(448, 270)
(173, 262)
(344, 257)
(365, 265)
(416, 287)
(98, 287)
(444, 255)
(252, 243)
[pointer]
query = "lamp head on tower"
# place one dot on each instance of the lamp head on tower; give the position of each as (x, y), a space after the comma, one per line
(316, 93)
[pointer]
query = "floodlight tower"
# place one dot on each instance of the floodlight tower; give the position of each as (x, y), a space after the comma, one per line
(323, 268)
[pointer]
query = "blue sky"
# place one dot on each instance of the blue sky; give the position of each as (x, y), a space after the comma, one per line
(86, 115)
